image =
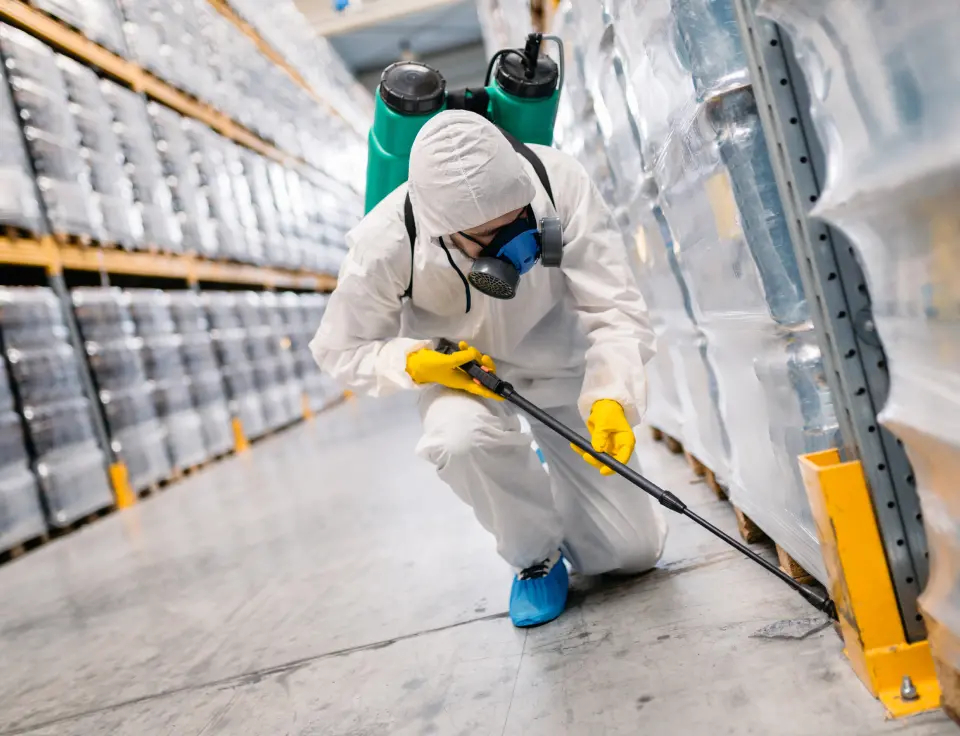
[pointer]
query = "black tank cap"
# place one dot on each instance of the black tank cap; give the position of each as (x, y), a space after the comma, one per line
(412, 88)
(512, 77)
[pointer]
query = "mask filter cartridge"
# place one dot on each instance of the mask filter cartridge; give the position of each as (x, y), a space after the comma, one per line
(515, 249)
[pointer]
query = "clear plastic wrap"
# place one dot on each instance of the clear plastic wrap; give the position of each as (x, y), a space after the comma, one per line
(243, 197)
(115, 355)
(267, 350)
(69, 463)
(21, 516)
(208, 153)
(200, 363)
(255, 169)
(668, 86)
(183, 177)
(144, 37)
(98, 20)
(284, 27)
(881, 77)
(164, 367)
(504, 23)
(303, 313)
(150, 190)
(736, 258)
(62, 173)
(167, 38)
(112, 188)
(19, 205)
(229, 341)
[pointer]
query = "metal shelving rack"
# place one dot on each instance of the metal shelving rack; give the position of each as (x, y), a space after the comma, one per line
(38, 259)
(840, 304)
(74, 43)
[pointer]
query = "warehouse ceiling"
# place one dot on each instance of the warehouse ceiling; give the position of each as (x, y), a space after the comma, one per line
(369, 34)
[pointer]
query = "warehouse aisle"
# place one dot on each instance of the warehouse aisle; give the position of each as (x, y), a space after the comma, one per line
(326, 583)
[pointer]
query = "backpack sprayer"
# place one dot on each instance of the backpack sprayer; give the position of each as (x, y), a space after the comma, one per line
(520, 95)
(492, 382)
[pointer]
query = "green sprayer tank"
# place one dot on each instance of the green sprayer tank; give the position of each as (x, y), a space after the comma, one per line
(522, 99)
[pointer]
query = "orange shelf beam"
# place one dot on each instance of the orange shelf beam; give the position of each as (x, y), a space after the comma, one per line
(46, 253)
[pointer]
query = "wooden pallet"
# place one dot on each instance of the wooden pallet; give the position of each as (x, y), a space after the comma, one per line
(698, 468)
(83, 521)
(79, 241)
(949, 678)
(673, 444)
(792, 567)
(711, 479)
(942, 644)
(21, 549)
(11, 232)
(749, 531)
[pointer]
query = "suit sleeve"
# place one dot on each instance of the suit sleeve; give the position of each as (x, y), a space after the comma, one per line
(358, 341)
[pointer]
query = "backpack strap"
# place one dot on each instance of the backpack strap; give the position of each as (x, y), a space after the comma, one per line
(411, 226)
(524, 150)
(520, 148)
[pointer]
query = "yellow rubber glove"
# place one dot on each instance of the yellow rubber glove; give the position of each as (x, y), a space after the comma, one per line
(610, 432)
(429, 366)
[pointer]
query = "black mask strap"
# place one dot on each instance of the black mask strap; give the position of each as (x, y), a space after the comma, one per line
(466, 284)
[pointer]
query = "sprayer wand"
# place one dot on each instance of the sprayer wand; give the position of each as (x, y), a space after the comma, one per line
(494, 383)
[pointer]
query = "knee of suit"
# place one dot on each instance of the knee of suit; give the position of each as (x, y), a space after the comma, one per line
(459, 435)
(639, 552)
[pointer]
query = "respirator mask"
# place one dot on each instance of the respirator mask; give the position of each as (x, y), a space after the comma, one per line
(514, 250)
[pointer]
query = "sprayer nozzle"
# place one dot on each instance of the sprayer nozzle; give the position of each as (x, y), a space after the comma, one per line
(820, 601)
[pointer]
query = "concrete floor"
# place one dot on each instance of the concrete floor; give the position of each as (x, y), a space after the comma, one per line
(324, 584)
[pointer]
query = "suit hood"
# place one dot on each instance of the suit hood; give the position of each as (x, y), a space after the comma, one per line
(463, 173)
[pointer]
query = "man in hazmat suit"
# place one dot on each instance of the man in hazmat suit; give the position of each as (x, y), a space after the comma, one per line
(572, 339)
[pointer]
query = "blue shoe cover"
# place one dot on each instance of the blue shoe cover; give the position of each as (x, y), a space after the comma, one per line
(535, 600)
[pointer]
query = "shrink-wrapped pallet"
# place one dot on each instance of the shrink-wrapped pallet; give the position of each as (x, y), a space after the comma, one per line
(115, 355)
(882, 77)
(45, 372)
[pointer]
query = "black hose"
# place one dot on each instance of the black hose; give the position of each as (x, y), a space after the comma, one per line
(493, 61)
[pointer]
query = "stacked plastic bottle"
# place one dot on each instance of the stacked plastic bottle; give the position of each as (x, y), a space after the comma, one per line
(19, 206)
(296, 219)
(202, 369)
(889, 120)
(273, 367)
(229, 339)
(150, 189)
(21, 516)
(303, 313)
(207, 151)
(681, 135)
(233, 160)
(183, 177)
(264, 205)
(167, 376)
(191, 45)
(98, 20)
(682, 396)
(112, 188)
(63, 176)
(115, 355)
(96, 146)
(45, 371)
(505, 23)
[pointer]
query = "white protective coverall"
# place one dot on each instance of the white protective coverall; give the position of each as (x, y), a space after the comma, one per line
(571, 336)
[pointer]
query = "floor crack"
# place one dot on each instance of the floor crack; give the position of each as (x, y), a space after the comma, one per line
(248, 678)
